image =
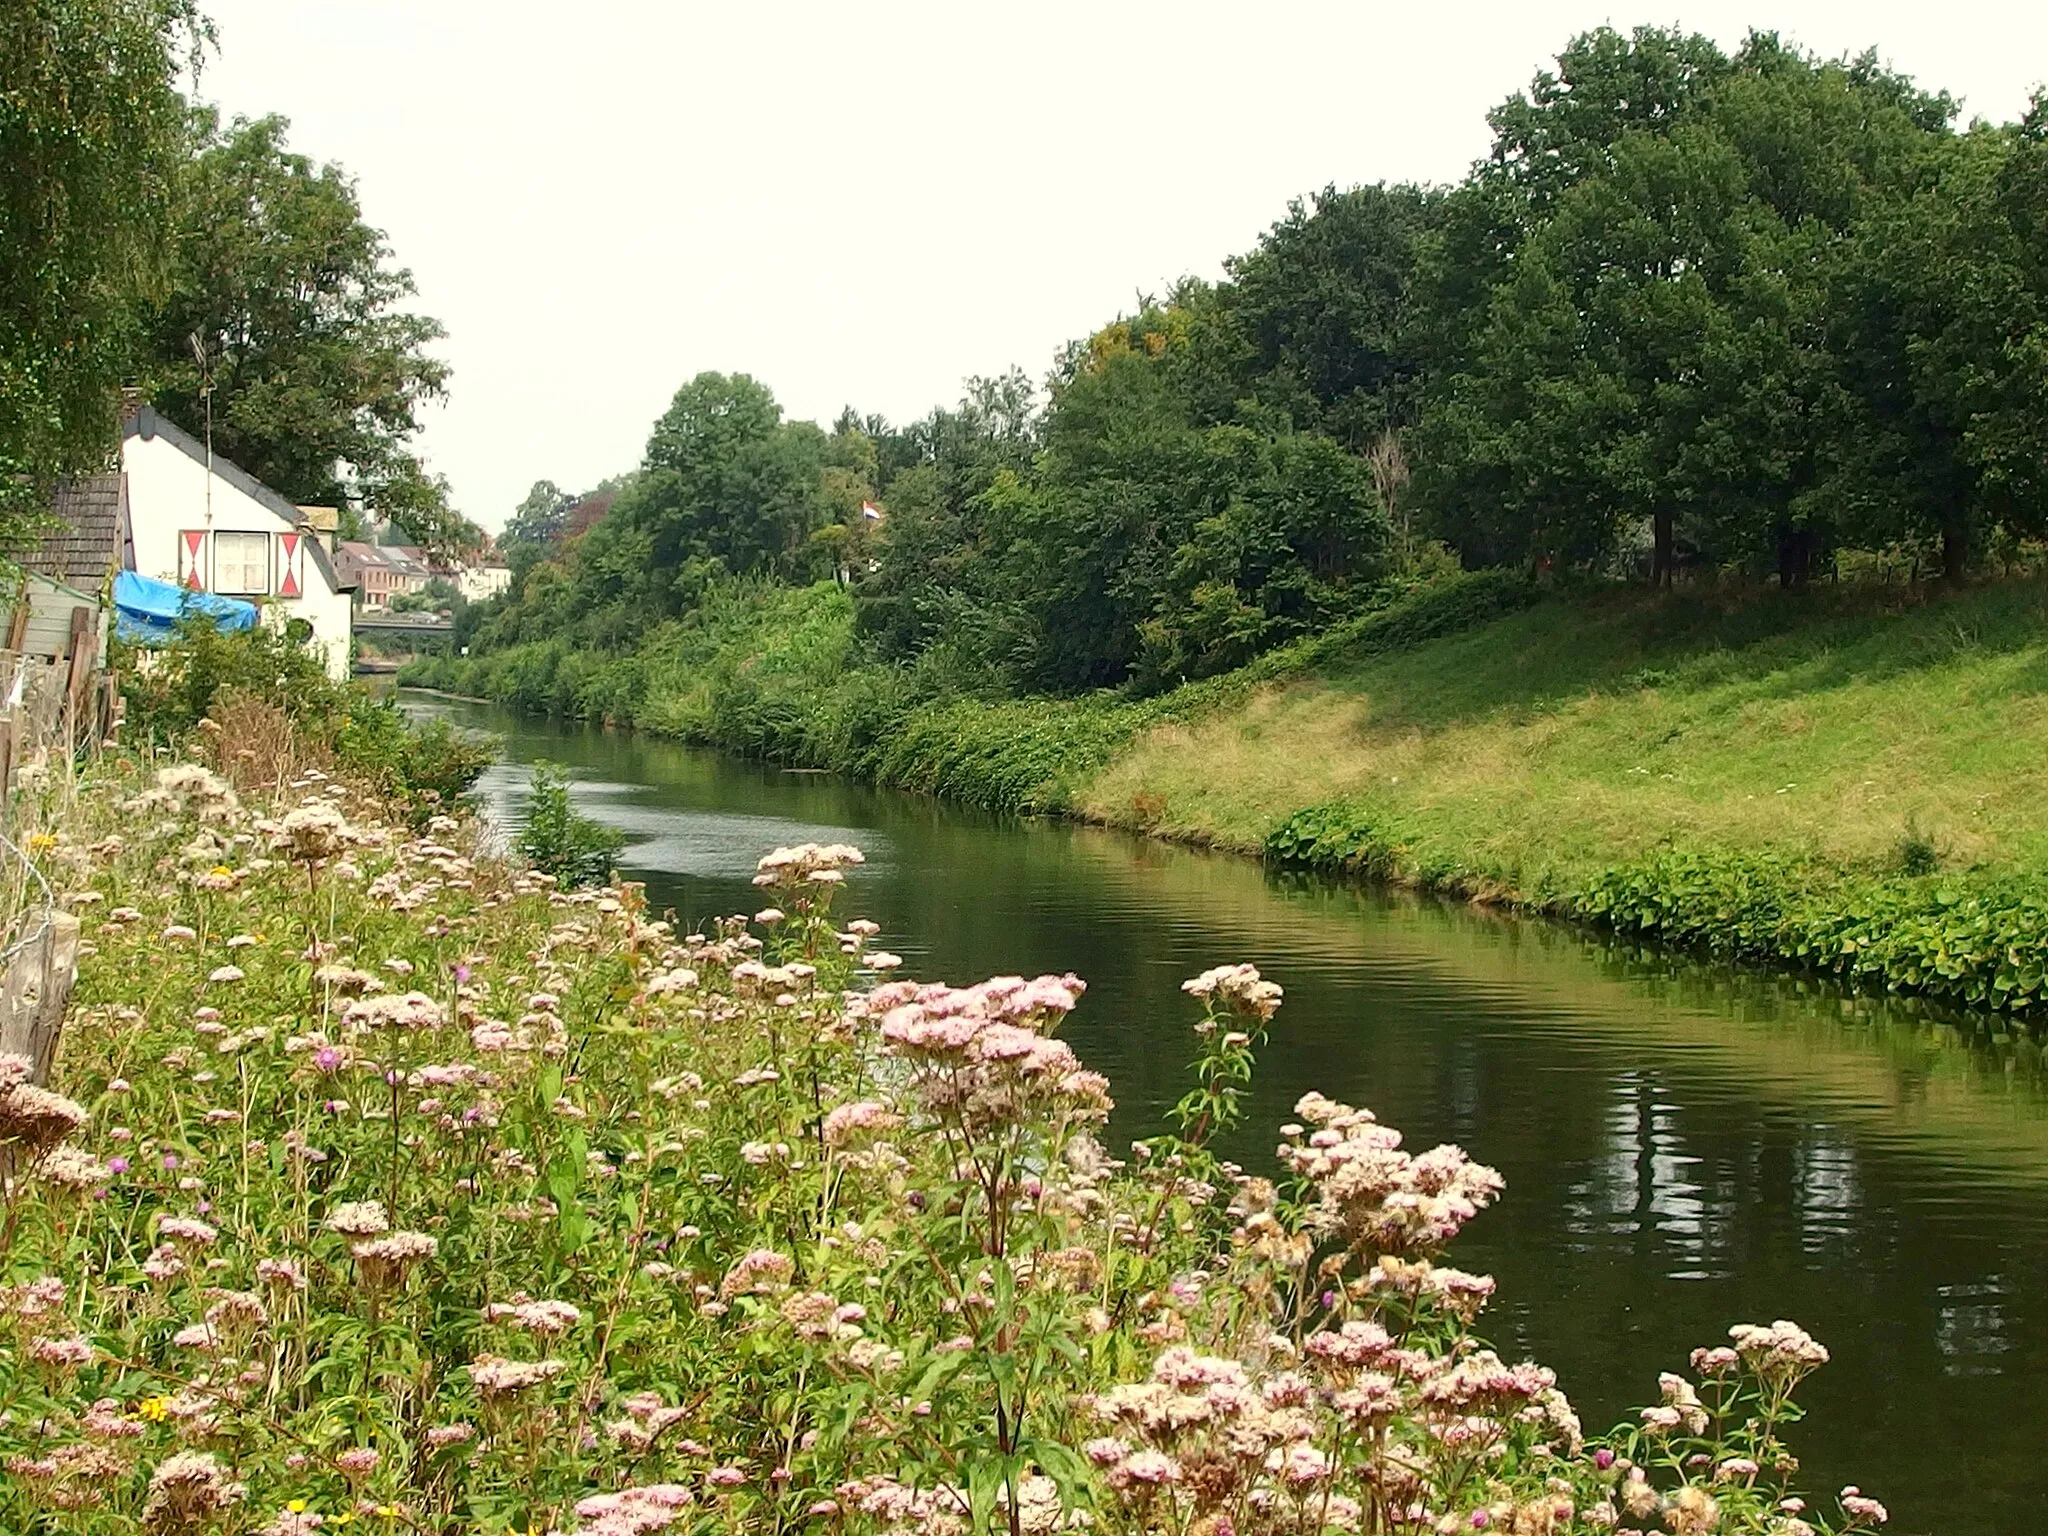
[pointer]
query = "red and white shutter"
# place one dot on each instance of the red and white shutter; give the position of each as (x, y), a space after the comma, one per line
(288, 583)
(191, 559)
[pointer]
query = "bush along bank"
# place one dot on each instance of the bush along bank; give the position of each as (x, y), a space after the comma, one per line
(774, 673)
(385, 1185)
(1979, 940)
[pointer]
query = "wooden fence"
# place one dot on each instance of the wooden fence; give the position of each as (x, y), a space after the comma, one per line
(38, 964)
(50, 708)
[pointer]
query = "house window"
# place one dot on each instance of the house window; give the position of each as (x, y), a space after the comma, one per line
(241, 563)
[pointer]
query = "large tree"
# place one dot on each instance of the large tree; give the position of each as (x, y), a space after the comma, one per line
(285, 331)
(1633, 302)
(91, 132)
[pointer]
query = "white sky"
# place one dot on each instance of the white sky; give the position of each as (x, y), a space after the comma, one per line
(867, 202)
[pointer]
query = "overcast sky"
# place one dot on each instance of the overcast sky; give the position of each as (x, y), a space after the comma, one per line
(867, 202)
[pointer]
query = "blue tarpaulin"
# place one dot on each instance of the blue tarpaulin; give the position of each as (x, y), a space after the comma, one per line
(146, 611)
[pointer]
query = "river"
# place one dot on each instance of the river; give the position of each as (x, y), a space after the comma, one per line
(1685, 1146)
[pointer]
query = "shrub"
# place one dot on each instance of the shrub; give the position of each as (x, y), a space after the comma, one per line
(560, 840)
(1974, 939)
(276, 694)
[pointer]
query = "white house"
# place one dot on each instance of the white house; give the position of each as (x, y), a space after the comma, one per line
(209, 525)
(481, 583)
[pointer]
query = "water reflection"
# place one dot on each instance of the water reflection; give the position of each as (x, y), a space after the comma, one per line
(1685, 1146)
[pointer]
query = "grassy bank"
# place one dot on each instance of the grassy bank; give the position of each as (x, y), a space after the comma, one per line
(1850, 781)
(776, 673)
(1847, 778)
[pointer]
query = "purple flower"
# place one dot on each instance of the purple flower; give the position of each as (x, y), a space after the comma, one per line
(170, 1159)
(1481, 1519)
(117, 1165)
(329, 1058)
(461, 975)
(1603, 1458)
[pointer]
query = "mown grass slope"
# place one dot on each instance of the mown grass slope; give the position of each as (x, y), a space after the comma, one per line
(1874, 730)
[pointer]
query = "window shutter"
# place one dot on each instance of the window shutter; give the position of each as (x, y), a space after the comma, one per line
(191, 565)
(288, 584)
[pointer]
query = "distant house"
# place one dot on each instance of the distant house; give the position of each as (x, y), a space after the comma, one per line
(196, 519)
(481, 583)
(380, 572)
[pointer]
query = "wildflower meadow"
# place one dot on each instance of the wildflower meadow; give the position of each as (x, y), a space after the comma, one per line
(383, 1185)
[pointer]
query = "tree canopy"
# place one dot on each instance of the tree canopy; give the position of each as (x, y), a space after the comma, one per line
(284, 321)
(91, 138)
(1746, 312)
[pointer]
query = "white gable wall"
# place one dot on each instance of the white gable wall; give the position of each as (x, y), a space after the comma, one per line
(168, 497)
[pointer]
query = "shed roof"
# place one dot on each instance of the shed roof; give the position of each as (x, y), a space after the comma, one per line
(85, 541)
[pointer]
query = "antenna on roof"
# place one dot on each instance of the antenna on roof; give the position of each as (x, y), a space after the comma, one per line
(206, 398)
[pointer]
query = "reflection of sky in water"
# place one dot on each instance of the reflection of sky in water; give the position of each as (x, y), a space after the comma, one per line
(1685, 1147)
(709, 845)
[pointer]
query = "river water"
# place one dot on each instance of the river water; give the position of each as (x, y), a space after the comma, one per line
(1685, 1146)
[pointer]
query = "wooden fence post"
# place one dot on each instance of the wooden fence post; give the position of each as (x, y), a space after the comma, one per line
(35, 993)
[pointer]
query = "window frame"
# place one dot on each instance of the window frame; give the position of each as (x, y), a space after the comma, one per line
(242, 566)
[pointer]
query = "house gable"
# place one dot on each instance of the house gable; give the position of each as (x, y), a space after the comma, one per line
(254, 507)
(227, 533)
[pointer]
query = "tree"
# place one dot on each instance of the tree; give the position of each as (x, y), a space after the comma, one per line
(91, 131)
(535, 527)
(1320, 312)
(283, 332)
(1635, 296)
(727, 488)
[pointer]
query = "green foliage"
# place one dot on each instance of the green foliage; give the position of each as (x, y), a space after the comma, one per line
(168, 691)
(285, 306)
(770, 672)
(560, 840)
(90, 140)
(1978, 939)
(419, 770)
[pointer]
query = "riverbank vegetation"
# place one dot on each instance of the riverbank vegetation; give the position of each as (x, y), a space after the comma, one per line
(385, 1184)
(1645, 527)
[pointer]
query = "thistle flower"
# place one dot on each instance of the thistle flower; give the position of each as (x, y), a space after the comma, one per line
(759, 1271)
(65, 1353)
(359, 1218)
(384, 1262)
(189, 1491)
(544, 1317)
(495, 1376)
(633, 1511)
(75, 1170)
(313, 832)
(392, 1010)
(849, 1121)
(33, 1118)
(1782, 1353)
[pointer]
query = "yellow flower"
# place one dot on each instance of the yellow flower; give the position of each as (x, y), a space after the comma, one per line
(42, 842)
(155, 1409)
(220, 869)
(296, 1507)
(387, 1511)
